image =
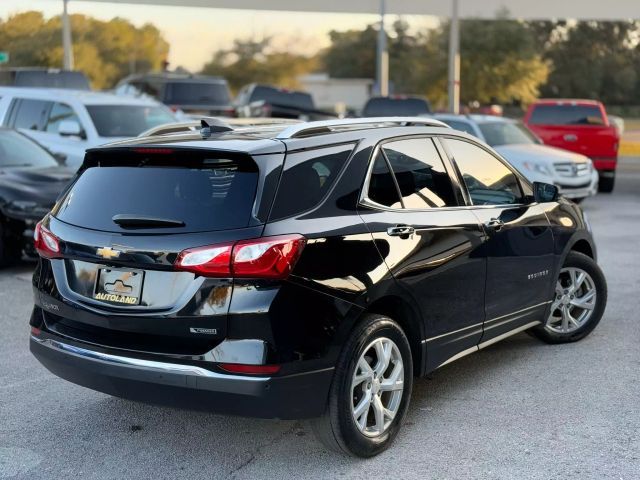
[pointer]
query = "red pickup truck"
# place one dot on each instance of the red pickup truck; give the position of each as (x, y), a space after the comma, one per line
(581, 126)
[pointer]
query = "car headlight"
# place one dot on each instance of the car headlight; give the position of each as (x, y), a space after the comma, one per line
(538, 167)
(590, 164)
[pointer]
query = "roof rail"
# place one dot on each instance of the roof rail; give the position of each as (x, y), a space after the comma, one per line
(328, 126)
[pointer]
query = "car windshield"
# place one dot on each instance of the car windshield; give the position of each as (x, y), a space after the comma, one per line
(566, 115)
(393, 107)
(506, 133)
(127, 120)
(197, 93)
(16, 150)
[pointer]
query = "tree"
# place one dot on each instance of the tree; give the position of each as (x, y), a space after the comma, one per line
(105, 51)
(594, 60)
(251, 61)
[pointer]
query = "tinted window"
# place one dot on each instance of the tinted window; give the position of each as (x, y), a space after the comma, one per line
(420, 173)
(566, 115)
(73, 80)
(307, 178)
(127, 120)
(284, 98)
(391, 107)
(197, 93)
(506, 133)
(17, 150)
(382, 187)
(488, 180)
(29, 114)
(462, 126)
(205, 199)
(60, 112)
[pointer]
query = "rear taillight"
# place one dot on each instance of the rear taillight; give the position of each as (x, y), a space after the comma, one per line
(46, 243)
(269, 257)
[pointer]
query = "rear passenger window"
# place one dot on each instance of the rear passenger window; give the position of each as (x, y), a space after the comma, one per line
(488, 180)
(420, 173)
(30, 114)
(306, 179)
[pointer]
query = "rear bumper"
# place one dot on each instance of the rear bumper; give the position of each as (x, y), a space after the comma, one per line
(605, 163)
(297, 396)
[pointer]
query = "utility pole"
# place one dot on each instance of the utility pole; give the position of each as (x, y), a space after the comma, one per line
(66, 38)
(454, 60)
(382, 60)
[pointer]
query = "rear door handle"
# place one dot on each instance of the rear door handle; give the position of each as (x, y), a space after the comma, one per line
(494, 224)
(400, 231)
(570, 137)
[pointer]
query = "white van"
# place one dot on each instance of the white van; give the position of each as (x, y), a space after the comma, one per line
(67, 122)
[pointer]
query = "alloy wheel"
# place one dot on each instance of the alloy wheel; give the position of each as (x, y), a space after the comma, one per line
(574, 301)
(377, 386)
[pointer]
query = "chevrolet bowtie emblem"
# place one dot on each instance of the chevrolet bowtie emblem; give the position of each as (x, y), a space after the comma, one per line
(108, 253)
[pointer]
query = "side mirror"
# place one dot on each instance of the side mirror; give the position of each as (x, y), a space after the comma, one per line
(544, 192)
(61, 158)
(70, 128)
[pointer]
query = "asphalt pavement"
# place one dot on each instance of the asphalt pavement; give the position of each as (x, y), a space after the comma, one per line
(517, 410)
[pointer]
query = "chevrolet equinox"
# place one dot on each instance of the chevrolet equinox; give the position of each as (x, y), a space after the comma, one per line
(303, 271)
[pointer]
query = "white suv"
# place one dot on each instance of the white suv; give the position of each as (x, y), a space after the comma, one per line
(572, 173)
(67, 122)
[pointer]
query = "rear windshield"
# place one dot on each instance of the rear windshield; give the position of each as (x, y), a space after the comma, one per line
(197, 93)
(216, 195)
(127, 120)
(396, 107)
(284, 98)
(73, 80)
(566, 115)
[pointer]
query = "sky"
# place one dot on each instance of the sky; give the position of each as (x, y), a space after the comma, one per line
(195, 33)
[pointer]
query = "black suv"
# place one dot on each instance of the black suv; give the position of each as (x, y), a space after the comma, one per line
(303, 271)
(193, 94)
(257, 100)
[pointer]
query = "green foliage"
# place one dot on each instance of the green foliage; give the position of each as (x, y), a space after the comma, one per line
(594, 60)
(499, 60)
(251, 61)
(105, 51)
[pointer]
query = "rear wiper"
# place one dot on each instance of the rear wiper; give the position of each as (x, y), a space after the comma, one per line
(143, 221)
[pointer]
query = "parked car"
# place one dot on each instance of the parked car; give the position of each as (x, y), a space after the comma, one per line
(30, 181)
(256, 100)
(580, 126)
(309, 271)
(396, 105)
(191, 94)
(43, 78)
(572, 173)
(68, 122)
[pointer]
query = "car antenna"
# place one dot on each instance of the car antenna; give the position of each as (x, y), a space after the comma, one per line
(211, 125)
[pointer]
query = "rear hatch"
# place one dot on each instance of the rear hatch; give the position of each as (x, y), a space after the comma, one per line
(572, 126)
(121, 228)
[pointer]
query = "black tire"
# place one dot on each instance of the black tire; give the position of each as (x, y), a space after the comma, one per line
(337, 429)
(606, 184)
(586, 263)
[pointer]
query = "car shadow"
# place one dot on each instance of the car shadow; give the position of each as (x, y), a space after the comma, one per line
(234, 442)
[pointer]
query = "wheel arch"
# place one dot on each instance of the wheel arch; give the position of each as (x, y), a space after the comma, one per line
(407, 316)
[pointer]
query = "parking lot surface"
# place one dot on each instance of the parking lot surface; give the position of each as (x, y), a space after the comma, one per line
(517, 410)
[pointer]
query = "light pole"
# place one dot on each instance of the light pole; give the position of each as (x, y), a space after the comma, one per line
(454, 60)
(382, 57)
(66, 38)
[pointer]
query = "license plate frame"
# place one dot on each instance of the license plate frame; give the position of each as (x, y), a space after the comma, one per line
(119, 286)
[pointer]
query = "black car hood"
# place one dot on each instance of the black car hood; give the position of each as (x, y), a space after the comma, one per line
(39, 185)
